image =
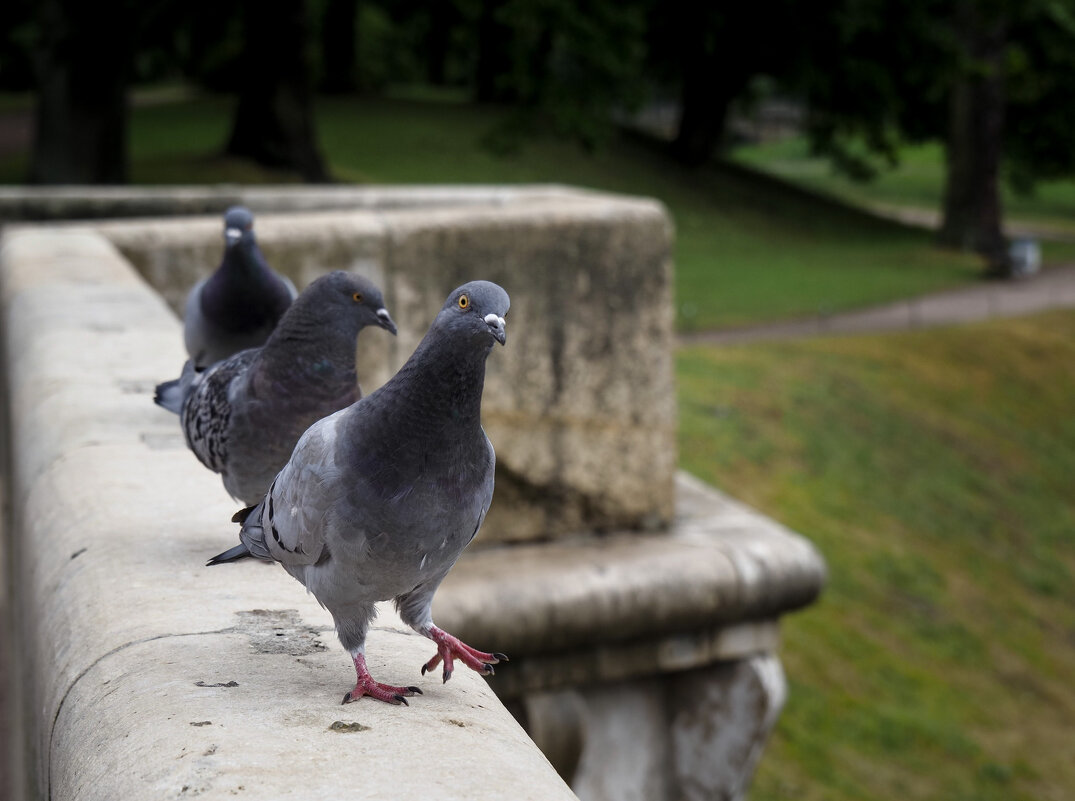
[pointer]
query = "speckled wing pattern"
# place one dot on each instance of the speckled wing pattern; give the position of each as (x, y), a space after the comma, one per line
(207, 412)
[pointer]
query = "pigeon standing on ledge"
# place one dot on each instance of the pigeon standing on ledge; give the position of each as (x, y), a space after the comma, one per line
(238, 306)
(243, 416)
(379, 500)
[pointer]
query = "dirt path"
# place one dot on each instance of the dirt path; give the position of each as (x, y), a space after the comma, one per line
(1051, 289)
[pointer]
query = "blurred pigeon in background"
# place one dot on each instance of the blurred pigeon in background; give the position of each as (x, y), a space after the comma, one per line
(237, 306)
(243, 416)
(379, 500)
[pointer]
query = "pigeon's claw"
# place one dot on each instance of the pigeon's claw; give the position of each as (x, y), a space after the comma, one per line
(450, 648)
(366, 685)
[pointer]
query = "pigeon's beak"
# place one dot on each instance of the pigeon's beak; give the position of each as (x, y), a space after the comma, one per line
(232, 235)
(384, 319)
(496, 327)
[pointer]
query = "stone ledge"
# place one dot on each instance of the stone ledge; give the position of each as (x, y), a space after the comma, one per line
(107, 202)
(590, 330)
(627, 605)
(125, 634)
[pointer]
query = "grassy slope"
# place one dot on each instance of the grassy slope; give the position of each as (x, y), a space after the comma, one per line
(747, 250)
(933, 470)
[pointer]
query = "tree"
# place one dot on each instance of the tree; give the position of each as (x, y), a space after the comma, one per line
(992, 79)
(83, 65)
(338, 74)
(971, 215)
(568, 65)
(712, 52)
(274, 122)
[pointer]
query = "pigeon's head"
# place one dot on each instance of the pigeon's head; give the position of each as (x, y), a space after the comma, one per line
(348, 297)
(238, 225)
(477, 308)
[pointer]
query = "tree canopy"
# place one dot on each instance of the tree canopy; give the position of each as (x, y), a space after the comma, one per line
(994, 80)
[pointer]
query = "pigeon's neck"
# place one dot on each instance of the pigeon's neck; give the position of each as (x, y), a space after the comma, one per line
(244, 263)
(244, 291)
(310, 352)
(441, 385)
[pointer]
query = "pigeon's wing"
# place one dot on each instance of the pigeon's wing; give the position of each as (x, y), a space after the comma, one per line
(207, 413)
(415, 606)
(303, 494)
(195, 336)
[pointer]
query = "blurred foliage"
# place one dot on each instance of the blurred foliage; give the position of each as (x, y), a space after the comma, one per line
(875, 73)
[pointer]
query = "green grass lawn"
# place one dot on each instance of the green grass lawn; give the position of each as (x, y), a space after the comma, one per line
(934, 472)
(748, 250)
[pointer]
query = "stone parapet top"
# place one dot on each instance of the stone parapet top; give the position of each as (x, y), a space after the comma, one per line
(590, 331)
(102, 202)
(146, 674)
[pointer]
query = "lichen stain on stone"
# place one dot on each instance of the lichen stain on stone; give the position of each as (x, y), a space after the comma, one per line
(340, 726)
(279, 631)
(455, 722)
(218, 684)
(201, 723)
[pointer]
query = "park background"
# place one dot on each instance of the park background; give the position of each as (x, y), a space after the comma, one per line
(791, 144)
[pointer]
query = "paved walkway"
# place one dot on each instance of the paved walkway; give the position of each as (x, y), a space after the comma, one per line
(1050, 289)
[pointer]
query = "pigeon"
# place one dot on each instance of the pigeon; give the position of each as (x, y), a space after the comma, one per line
(238, 306)
(379, 499)
(243, 416)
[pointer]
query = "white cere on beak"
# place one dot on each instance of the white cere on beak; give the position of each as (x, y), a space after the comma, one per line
(233, 234)
(383, 314)
(493, 319)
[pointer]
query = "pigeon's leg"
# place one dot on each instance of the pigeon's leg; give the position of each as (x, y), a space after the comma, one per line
(374, 689)
(450, 648)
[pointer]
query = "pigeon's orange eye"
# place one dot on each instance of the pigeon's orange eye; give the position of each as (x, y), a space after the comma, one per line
(357, 297)
(464, 301)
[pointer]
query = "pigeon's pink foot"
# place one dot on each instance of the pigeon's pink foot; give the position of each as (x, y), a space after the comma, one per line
(374, 689)
(449, 648)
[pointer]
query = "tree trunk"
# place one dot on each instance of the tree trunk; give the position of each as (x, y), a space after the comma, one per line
(81, 117)
(338, 47)
(702, 116)
(274, 122)
(711, 80)
(972, 210)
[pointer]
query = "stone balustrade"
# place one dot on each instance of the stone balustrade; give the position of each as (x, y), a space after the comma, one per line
(639, 606)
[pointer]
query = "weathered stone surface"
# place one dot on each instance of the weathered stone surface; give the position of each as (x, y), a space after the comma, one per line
(721, 718)
(663, 602)
(580, 405)
(149, 675)
(106, 202)
(693, 735)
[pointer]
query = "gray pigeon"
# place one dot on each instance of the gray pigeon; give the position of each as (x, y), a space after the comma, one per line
(379, 500)
(243, 416)
(237, 306)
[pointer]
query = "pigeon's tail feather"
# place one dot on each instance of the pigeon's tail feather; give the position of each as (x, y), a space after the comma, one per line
(171, 395)
(252, 533)
(168, 396)
(240, 551)
(243, 514)
(251, 536)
